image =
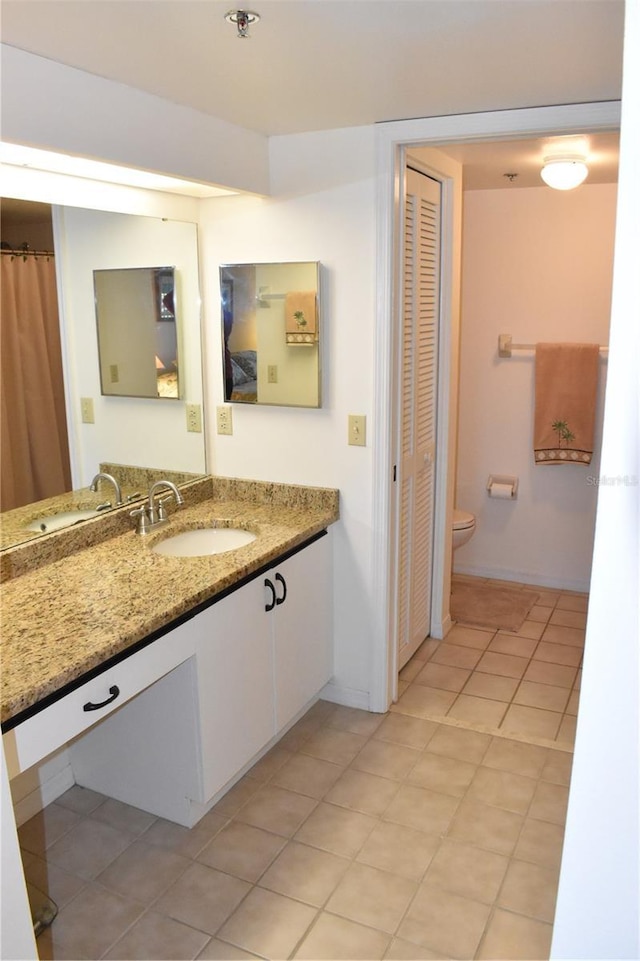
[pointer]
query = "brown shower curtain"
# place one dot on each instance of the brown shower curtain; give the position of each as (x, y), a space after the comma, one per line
(34, 449)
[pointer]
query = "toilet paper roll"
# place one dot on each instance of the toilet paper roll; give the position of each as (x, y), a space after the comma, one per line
(505, 491)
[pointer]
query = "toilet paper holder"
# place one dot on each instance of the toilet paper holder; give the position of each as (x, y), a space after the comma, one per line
(503, 486)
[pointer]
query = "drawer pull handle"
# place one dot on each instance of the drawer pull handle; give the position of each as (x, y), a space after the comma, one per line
(113, 691)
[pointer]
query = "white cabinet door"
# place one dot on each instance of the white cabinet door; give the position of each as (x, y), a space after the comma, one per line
(302, 628)
(235, 683)
(263, 652)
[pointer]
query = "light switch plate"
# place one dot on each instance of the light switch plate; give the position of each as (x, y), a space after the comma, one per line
(86, 410)
(224, 419)
(357, 430)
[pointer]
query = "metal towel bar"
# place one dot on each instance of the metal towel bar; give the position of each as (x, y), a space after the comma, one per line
(506, 347)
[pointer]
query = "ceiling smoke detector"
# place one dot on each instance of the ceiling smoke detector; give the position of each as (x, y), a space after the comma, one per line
(243, 19)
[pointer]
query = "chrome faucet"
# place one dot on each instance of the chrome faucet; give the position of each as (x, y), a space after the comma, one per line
(154, 513)
(116, 486)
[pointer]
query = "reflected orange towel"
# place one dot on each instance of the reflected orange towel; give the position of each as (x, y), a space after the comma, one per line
(300, 312)
(565, 408)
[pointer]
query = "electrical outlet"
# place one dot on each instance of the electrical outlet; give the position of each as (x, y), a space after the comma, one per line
(358, 430)
(114, 374)
(225, 422)
(272, 374)
(194, 418)
(86, 410)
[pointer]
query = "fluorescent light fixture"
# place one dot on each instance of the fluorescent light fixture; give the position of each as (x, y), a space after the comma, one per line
(51, 162)
(564, 173)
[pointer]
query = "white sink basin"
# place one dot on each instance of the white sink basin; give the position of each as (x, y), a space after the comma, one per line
(204, 541)
(55, 522)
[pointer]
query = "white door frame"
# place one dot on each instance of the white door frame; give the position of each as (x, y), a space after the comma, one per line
(392, 140)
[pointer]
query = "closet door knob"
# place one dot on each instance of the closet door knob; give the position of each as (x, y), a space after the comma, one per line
(269, 606)
(283, 596)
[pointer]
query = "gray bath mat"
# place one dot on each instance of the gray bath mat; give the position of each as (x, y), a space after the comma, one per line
(499, 608)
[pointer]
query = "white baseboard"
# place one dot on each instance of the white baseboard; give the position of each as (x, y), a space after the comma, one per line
(523, 577)
(345, 696)
(36, 800)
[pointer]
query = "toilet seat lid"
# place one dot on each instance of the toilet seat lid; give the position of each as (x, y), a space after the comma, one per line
(462, 520)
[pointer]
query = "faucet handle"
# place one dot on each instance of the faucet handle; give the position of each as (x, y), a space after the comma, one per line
(143, 519)
(162, 510)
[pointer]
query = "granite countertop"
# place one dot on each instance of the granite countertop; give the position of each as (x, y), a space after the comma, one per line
(75, 612)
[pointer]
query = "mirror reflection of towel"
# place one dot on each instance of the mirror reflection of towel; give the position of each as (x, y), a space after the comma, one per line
(565, 406)
(300, 314)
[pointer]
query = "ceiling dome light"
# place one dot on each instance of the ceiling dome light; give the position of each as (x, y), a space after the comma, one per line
(564, 173)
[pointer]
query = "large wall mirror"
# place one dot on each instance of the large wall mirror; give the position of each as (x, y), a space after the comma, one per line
(137, 321)
(271, 333)
(120, 430)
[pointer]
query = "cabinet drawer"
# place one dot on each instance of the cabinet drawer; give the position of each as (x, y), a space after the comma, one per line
(51, 728)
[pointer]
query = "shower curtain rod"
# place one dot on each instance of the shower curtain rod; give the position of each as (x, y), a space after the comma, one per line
(25, 252)
(506, 346)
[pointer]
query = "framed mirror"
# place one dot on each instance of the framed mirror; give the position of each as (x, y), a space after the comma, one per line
(136, 317)
(271, 333)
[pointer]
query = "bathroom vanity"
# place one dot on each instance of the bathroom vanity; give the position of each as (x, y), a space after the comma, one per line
(167, 677)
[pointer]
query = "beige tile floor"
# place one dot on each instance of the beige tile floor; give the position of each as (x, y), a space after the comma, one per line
(521, 684)
(405, 835)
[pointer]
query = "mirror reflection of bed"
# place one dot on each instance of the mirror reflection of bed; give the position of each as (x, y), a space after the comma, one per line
(167, 381)
(244, 372)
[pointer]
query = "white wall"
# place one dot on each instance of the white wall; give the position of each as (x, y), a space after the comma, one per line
(137, 431)
(537, 264)
(597, 912)
(56, 107)
(16, 930)
(322, 209)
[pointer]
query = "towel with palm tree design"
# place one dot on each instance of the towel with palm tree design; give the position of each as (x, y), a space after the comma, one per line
(566, 385)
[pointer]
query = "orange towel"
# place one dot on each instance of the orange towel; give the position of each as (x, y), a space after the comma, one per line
(300, 312)
(566, 391)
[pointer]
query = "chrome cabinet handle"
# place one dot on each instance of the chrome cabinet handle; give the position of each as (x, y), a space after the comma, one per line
(113, 691)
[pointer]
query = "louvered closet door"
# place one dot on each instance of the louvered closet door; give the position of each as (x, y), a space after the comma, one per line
(418, 410)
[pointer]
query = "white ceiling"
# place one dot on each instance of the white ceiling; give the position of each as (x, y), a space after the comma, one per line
(321, 64)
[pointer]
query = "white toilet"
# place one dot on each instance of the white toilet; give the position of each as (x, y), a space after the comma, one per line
(464, 524)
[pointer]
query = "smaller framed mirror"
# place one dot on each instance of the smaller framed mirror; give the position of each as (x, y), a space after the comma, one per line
(271, 333)
(138, 339)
